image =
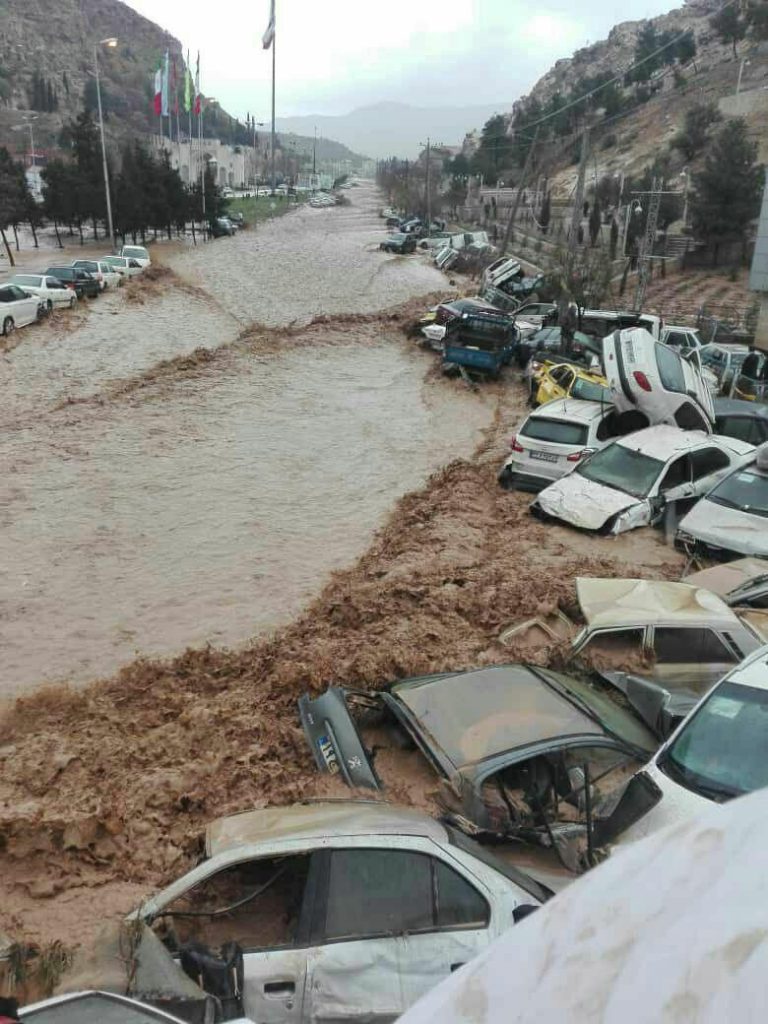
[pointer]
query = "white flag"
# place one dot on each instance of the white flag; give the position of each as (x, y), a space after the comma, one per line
(269, 35)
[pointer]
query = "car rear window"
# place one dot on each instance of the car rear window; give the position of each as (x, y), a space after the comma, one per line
(670, 369)
(27, 279)
(135, 251)
(557, 431)
(590, 391)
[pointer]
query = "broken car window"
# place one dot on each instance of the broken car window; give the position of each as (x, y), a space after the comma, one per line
(622, 469)
(256, 904)
(617, 650)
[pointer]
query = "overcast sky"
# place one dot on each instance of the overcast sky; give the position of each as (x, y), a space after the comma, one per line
(333, 57)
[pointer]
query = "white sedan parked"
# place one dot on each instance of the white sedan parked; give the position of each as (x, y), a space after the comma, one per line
(634, 480)
(105, 273)
(49, 290)
(17, 308)
(124, 265)
(346, 910)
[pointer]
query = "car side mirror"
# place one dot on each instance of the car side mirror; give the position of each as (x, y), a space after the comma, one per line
(523, 911)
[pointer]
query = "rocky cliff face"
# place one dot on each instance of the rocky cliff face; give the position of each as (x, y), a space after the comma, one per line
(56, 41)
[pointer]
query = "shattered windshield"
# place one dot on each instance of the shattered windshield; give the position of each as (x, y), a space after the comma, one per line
(721, 751)
(590, 391)
(746, 490)
(623, 469)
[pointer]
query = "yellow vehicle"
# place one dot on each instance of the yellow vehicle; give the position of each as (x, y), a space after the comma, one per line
(564, 380)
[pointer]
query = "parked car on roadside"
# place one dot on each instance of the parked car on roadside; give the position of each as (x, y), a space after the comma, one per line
(716, 754)
(288, 884)
(138, 253)
(83, 284)
(222, 227)
(125, 266)
(49, 289)
(106, 275)
(508, 742)
(653, 378)
(725, 361)
(637, 479)
(400, 243)
(18, 308)
(732, 518)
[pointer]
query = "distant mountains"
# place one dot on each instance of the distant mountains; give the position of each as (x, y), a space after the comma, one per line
(396, 129)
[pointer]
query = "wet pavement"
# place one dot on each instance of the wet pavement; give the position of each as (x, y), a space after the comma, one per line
(211, 508)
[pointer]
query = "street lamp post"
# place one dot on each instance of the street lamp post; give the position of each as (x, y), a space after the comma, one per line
(111, 43)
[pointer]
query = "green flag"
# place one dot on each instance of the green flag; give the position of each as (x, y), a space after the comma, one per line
(187, 86)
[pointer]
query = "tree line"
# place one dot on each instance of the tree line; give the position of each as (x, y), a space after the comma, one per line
(147, 194)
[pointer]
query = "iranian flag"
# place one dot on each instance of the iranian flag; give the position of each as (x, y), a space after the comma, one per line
(198, 97)
(159, 91)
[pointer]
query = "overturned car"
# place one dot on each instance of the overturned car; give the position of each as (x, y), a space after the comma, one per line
(520, 751)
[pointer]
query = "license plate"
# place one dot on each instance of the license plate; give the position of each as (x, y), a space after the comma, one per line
(328, 754)
(544, 456)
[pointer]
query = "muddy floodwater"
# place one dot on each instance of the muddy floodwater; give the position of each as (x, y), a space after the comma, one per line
(211, 508)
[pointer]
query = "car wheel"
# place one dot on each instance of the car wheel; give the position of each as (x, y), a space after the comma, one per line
(8, 326)
(72, 301)
(49, 306)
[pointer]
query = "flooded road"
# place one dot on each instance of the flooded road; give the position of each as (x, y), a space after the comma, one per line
(210, 508)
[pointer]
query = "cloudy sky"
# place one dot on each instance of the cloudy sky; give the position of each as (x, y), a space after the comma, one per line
(336, 56)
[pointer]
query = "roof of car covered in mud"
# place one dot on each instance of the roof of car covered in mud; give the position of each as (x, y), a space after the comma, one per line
(476, 715)
(614, 603)
(317, 820)
(726, 577)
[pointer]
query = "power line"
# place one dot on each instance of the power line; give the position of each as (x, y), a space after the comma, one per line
(616, 78)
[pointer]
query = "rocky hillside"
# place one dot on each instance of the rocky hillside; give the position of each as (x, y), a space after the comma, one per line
(642, 118)
(53, 43)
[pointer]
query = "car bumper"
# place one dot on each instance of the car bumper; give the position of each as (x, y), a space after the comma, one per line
(511, 478)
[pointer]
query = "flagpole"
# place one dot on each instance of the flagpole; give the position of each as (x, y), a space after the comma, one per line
(272, 173)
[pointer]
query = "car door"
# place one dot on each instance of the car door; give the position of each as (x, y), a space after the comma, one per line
(58, 292)
(25, 306)
(461, 930)
(262, 904)
(675, 489)
(370, 899)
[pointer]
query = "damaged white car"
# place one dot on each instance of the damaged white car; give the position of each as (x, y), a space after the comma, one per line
(732, 519)
(636, 479)
(653, 378)
(343, 910)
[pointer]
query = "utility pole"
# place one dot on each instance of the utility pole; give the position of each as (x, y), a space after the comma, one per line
(509, 233)
(646, 251)
(428, 198)
(578, 199)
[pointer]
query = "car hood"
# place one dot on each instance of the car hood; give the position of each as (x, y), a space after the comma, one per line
(583, 502)
(729, 528)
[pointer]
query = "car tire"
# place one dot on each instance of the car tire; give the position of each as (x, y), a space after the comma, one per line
(8, 326)
(72, 301)
(49, 305)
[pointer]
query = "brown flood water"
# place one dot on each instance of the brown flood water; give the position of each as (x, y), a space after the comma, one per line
(209, 509)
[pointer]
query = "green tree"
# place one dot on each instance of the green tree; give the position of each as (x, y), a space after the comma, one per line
(727, 192)
(12, 197)
(492, 153)
(729, 25)
(757, 19)
(59, 192)
(694, 134)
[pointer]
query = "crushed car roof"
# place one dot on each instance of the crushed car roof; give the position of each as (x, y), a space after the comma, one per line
(615, 603)
(663, 441)
(729, 576)
(317, 820)
(475, 715)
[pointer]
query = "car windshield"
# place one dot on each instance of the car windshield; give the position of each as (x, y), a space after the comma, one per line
(590, 391)
(558, 431)
(721, 751)
(670, 368)
(746, 490)
(623, 469)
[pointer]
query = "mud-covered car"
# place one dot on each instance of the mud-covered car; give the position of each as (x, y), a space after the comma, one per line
(742, 583)
(345, 910)
(520, 751)
(661, 643)
(636, 480)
